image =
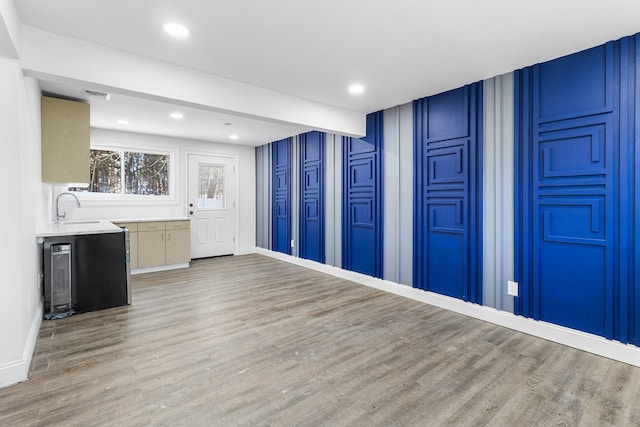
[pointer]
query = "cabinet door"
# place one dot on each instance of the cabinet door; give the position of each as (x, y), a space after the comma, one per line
(151, 248)
(178, 247)
(65, 140)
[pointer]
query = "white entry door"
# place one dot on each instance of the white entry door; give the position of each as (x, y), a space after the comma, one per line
(212, 205)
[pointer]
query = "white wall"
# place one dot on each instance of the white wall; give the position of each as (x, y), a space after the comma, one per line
(398, 194)
(9, 29)
(93, 208)
(20, 292)
(498, 188)
(263, 196)
(333, 200)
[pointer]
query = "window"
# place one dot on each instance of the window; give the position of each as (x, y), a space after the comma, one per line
(211, 191)
(128, 172)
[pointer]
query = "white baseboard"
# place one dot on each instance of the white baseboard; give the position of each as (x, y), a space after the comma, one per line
(246, 251)
(17, 371)
(583, 341)
(159, 268)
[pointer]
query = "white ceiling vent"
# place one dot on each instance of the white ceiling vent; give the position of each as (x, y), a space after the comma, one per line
(97, 94)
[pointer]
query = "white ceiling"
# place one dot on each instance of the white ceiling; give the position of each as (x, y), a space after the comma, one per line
(153, 117)
(400, 50)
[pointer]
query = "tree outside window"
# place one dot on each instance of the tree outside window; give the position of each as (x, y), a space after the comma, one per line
(142, 173)
(211, 191)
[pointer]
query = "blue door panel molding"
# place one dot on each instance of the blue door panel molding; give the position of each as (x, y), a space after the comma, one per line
(576, 199)
(362, 213)
(448, 194)
(561, 94)
(281, 196)
(312, 200)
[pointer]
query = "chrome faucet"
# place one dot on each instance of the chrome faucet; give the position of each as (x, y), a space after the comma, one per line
(63, 215)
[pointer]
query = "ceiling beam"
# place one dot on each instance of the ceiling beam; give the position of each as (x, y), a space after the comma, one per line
(53, 57)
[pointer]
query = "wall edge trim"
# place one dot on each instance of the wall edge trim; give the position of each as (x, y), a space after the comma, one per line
(572, 338)
(18, 370)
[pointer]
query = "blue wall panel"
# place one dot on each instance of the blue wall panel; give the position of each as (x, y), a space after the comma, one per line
(448, 147)
(362, 242)
(312, 238)
(575, 173)
(281, 207)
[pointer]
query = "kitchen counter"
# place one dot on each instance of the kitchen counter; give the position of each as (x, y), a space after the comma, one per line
(163, 219)
(75, 228)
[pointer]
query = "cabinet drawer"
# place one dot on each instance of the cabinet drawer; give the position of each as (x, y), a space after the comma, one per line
(131, 226)
(151, 226)
(177, 225)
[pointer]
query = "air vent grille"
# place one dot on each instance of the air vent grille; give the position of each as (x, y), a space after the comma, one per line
(97, 94)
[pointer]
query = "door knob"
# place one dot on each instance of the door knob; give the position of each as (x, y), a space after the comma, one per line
(190, 212)
(190, 205)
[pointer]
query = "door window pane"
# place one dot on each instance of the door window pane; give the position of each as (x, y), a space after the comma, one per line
(211, 186)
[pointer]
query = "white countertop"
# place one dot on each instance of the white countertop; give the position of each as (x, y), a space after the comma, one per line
(71, 228)
(164, 219)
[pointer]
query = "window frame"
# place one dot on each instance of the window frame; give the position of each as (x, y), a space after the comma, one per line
(123, 198)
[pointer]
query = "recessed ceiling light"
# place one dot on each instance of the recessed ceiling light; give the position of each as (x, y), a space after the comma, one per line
(234, 136)
(177, 115)
(122, 122)
(356, 89)
(176, 30)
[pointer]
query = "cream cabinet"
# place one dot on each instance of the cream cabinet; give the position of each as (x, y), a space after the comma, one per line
(178, 243)
(65, 140)
(157, 243)
(151, 244)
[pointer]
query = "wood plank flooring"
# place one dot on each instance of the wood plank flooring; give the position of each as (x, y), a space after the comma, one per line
(251, 341)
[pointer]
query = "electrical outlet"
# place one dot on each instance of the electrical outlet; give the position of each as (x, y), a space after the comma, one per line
(512, 288)
(292, 243)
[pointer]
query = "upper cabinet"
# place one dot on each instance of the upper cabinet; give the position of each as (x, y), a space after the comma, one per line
(65, 140)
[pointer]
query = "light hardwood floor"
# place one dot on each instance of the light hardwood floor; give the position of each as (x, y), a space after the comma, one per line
(251, 341)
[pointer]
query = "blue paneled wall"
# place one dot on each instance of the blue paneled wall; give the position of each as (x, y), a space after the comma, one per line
(448, 155)
(312, 201)
(530, 176)
(362, 214)
(281, 190)
(576, 169)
